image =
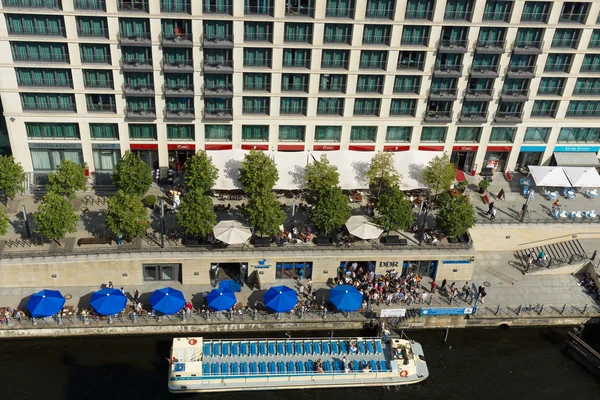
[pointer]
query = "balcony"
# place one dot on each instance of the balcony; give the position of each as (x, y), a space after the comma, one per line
(415, 41)
(292, 110)
(374, 12)
(594, 44)
(47, 4)
(592, 67)
(498, 16)
(297, 38)
(528, 46)
(410, 65)
(258, 37)
(261, 9)
(91, 5)
(257, 110)
(453, 46)
(475, 94)
(137, 89)
(176, 40)
(217, 90)
(299, 10)
(257, 87)
(509, 117)
(488, 46)
(539, 17)
(176, 6)
(97, 84)
(442, 117)
(373, 64)
(473, 116)
(365, 88)
(92, 33)
(217, 65)
(334, 110)
(218, 114)
(177, 65)
(224, 41)
(339, 12)
(337, 39)
(136, 64)
(521, 71)
(139, 113)
(403, 112)
(294, 88)
(419, 14)
(217, 7)
(379, 41)
(134, 39)
(95, 59)
(260, 63)
(301, 63)
(38, 57)
(458, 15)
(133, 5)
(46, 83)
(586, 91)
(414, 88)
(443, 93)
(551, 90)
(179, 113)
(565, 43)
(573, 18)
(582, 114)
(45, 106)
(448, 70)
(508, 94)
(112, 108)
(484, 71)
(174, 89)
(558, 67)
(36, 31)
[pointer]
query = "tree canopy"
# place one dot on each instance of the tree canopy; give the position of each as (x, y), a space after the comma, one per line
(455, 215)
(12, 176)
(68, 178)
(258, 173)
(4, 221)
(55, 217)
(331, 210)
(200, 173)
(264, 213)
(126, 215)
(439, 174)
(196, 215)
(395, 211)
(320, 176)
(382, 172)
(132, 175)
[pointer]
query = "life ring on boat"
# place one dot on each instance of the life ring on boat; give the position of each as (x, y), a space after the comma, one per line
(404, 373)
(192, 342)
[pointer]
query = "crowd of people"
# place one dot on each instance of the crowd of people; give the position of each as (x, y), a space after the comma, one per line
(590, 285)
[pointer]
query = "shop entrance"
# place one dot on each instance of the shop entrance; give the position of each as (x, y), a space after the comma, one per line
(496, 160)
(177, 158)
(423, 268)
(463, 160)
(150, 157)
(224, 271)
(528, 158)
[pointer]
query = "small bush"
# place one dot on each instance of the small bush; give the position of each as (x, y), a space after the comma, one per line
(149, 201)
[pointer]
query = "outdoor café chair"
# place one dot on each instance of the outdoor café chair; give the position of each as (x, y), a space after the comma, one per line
(563, 214)
(578, 214)
(593, 214)
(587, 214)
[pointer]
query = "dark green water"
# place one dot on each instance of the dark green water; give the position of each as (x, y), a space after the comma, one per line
(474, 364)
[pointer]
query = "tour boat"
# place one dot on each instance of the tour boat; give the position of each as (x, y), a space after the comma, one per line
(200, 365)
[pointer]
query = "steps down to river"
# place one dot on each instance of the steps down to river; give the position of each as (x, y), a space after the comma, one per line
(560, 255)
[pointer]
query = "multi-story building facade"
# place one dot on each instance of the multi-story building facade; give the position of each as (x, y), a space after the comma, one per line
(494, 83)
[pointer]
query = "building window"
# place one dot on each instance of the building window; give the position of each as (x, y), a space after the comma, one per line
(256, 105)
(398, 134)
(497, 11)
(411, 60)
(591, 63)
(407, 84)
(370, 84)
(338, 33)
(529, 38)
(49, 159)
(551, 86)
(96, 27)
(52, 131)
(258, 7)
(536, 11)
(587, 86)
(95, 53)
(332, 83)
(433, 134)
(132, 5)
(415, 36)
(104, 131)
(98, 5)
(164, 272)
(142, 132)
(47, 102)
(100, 102)
(328, 133)
(583, 109)
(458, 10)
(470, 134)
(340, 9)
(579, 135)
(106, 159)
(503, 135)
(377, 34)
(181, 132)
(544, 108)
(39, 25)
(179, 58)
(136, 56)
(373, 59)
(296, 58)
(420, 9)
(380, 9)
(217, 7)
(300, 8)
(176, 6)
(46, 52)
(258, 31)
(291, 270)
(294, 82)
(335, 59)
(289, 133)
(363, 134)
(403, 107)
(536, 135)
(574, 12)
(298, 32)
(257, 57)
(293, 105)
(44, 77)
(366, 107)
(255, 133)
(218, 82)
(595, 39)
(218, 133)
(558, 62)
(97, 78)
(566, 38)
(330, 106)
(141, 104)
(260, 82)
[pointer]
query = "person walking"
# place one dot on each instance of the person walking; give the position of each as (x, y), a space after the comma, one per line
(136, 296)
(493, 216)
(490, 208)
(464, 290)
(433, 286)
(468, 295)
(482, 294)
(540, 256)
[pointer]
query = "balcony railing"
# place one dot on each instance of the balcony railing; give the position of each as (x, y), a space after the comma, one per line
(299, 11)
(379, 40)
(217, 65)
(179, 113)
(482, 94)
(294, 88)
(297, 38)
(415, 88)
(95, 59)
(438, 116)
(550, 90)
(521, 69)
(138, 88)
(142, 113)
(419, 14)
(36, 31)
(178, 89)
(535, 17)
(578, 18)
(136, 64)
(258, 10)
(594, 43)
(49, 4)
(490, 45)
(217, 40)
(303, 63)
(366, 110)
(175, 6)
(366, 88)
(48, 106)
(95, 33)
(551, 113)
(334, 64)
(508, 116)
(176, 39)
(264, 62)
(262, 87)
(338, 39)
(134, 38)
(515, 94)
(372, 64)
(258, 37)
(534, 46)
(97, 5)
(458, 15)
(339, 12)
(101, 107)
(473, 116)
(218, 114)
(292, 110)
(374, 12)
(51, 57)
(453, 44)
(439, 92)
(176, 65)
(419, 65)
(133, 5)
(406, 112)
(559, 67)
(415, 41)
(450, 69)
(97, 84)
(590, 67)
(565, 43)
(587, 91)
(225, 8)
(262, 110)
(496, 16)
(582, 113)
(57, 82)
(217, 89)
(332, 110)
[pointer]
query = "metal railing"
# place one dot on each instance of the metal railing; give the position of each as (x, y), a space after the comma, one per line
(508, 116)
(585, 91)
(489, 92)
(131, 112)
(337, 39)
(520, 93)
(551, 90)
(453, 43)
(515, 220)
(101, 107)
(300, 10)
(259, 10)
(107, 84)
(300, 63)
(535, 17)
(589, 67)
(217, 88)
(521, 69)
(225, 7)
(49, 107)
(578, 18)
(583, 113)
(471, 116)
(381, 40)
(408, 40)
(264, 62)
(334, 64)
(263, 110)
(496, 16)
(184, 113)
(374, 12)
(177, 88)
(96, 59)
(41, 57)
(138, 88)
(458, 15)
(51, 4)
(439, 91)
(293, 110)
(448, 68)
(484, 69)
(218, 64)
(103, 33)
(226, 113)
(216, 39)
(490, 44)
(537, 310)
(297, 37)
(90, 5)
(133, 5)
(567, 43)
(528, 44)
(407, 112)
(165, 63)
(419, 14)
(370, 64)
(339, 12)
(137, 37)
(175, 6)
(56, 82)
(411, 65)
(135, 63)
(37, 31)
(258, 37)
(266, 87)
(294, 88)
(176, 38)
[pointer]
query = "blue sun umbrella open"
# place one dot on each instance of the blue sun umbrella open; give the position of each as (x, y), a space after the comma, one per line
(108, 301)
(280, 299)
(45, 303)
(345, 298)
(221, 299)
(167, 301)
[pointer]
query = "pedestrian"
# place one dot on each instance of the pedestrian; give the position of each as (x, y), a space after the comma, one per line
(468, 295)
(136, 296)
(110, 284)
(423, 297)
(482, 294)
(123, 290)
(493, 213)
(464, 290)
(433, 285)
(501, 195)
(443, 287)
(454, 295)
(540, 256)
(451, 289)
(300, 274)
(309, 286)
(490, 208)
(530, 260)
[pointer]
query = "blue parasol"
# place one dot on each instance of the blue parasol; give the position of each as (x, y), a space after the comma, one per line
(108, 301)
(345, 298)
(45, 303)
(221, 299)
(167, 300)
(280, 299)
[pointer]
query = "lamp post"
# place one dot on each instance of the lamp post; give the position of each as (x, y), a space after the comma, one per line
(526, 205)
(162, 223)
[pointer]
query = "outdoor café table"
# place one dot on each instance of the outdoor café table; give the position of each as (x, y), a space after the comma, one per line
(526, 183)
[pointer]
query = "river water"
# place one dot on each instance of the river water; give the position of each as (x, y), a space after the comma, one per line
(477, 364)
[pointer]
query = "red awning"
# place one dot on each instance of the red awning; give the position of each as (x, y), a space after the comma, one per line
(464, 148)
(499, 148)
(142, 146)
(431, 148)
(362, 148)
(396, 148)
(263, 147)
(290, 147)
(181, 146)
(218, 146)
(326, 147)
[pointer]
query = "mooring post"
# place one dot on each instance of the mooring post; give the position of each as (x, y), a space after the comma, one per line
(563, 309)
(498, 309)
(446, 335)
(585, 309)
(541, 310)
(519, 310)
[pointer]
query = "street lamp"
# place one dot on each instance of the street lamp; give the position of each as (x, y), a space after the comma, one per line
(530, 195)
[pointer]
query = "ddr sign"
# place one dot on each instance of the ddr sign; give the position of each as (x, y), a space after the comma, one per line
(392, 312)
(446, 311)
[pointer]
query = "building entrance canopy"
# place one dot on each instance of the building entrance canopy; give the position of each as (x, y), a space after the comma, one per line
(352, 167)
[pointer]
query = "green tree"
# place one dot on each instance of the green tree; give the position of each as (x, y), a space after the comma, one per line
(12, 176)
(395, 211)
(68, 178)
(4, 221)
(331, 210)
(439, 174)
(320, 176)
(196, 215)
(455, 216)
(258, 173)
(200, 173)
(126, 215)
(55, 217)
(264, 213)
(132, 175)
(382, 172)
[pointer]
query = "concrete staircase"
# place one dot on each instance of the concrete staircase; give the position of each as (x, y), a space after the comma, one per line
(562, 254)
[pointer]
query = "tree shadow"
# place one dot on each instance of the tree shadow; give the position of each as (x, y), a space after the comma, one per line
(415, 172)
(298, 175)
(256, 296)
(18, 224)
(360, 172)
(232, 172)
(94, 223)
